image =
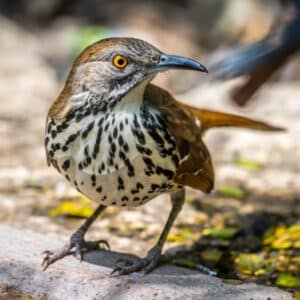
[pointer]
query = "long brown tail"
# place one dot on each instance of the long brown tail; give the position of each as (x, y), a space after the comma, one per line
(210, 119)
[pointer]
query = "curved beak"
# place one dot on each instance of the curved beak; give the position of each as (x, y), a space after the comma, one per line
(179, 62)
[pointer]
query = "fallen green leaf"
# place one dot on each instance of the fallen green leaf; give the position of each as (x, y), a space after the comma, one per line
(69, 208)
(232, 191)
(260, 272)
(282, 243)
(247, 163)
(294, 232)
(182, 235)
(281, 237)
(288, 280)
(211, 256)
(269, 236)
(250, 264)
(226, 233)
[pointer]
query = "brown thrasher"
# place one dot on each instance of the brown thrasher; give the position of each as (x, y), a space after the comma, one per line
(122, 141)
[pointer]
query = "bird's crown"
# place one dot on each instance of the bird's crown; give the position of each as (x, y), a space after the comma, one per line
(105, 49)
(110, 68)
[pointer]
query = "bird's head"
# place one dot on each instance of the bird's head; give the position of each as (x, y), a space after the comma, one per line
(112, 67)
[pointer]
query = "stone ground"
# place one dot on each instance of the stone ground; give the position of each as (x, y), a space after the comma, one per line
(29, 190)
(69, 279)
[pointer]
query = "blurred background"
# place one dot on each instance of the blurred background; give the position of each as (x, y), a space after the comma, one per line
(248, 229)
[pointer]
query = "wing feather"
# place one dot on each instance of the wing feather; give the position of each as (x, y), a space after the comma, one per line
(187, 124)
(195, 169)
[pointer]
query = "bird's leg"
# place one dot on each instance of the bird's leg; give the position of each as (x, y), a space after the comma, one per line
(148, 263)
(77, 243)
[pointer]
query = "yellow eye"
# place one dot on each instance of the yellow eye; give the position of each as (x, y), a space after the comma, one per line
(120, 61)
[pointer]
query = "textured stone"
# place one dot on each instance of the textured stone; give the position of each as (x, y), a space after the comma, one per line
(20, 257)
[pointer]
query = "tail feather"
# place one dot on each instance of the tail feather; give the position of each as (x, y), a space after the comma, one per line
(210, 119)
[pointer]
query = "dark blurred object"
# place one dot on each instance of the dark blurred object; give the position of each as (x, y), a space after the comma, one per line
(261, 59)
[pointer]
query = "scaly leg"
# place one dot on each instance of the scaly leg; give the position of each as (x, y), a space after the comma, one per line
(77, 243)
(148, 263)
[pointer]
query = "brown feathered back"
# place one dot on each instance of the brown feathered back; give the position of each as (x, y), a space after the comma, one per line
(196, 169)
(186, 124)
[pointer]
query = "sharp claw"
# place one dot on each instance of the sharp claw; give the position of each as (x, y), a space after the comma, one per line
(45, 263)
(78, 255)
(117, 269)
(77, 247)
(105, 244)
(125, 262)
(126, 266)
(124, 269)
(124, 272)
(78, 252)
(145, 265)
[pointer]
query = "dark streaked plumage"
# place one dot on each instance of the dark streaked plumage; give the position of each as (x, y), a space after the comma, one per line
(122, 141)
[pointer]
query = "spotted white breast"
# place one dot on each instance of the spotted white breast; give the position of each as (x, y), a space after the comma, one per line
(125, 157)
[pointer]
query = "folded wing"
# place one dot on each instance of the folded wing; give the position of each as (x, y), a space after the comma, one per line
(187, 124)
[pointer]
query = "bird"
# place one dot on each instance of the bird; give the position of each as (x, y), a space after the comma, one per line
(121, 140)
(261, 59)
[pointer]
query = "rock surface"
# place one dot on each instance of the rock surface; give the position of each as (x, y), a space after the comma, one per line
(20, 257)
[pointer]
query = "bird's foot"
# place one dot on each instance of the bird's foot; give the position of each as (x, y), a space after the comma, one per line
(77, 246)
(146, 265)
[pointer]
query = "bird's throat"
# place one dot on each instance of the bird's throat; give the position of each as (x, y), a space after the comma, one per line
(134, 98)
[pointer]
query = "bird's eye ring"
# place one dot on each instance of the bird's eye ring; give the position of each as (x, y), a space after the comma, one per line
(120, 61)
